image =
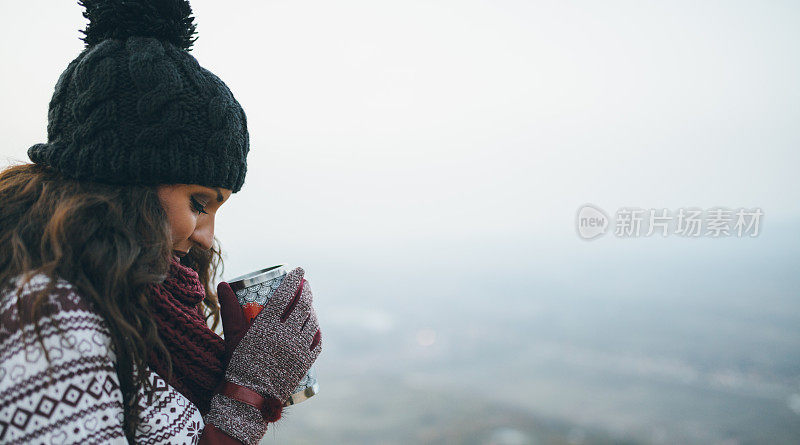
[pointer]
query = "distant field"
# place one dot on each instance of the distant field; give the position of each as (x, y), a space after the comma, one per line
(591, 347)
(389, 412)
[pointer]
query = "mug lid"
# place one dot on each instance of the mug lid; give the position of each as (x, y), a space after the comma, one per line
(257, 277)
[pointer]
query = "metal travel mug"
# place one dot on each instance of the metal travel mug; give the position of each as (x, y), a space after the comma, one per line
(253, 291)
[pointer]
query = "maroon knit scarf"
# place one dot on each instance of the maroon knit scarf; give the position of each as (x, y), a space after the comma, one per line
(197, 352)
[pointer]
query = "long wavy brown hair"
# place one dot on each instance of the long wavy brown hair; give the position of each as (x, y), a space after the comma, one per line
(110, 242)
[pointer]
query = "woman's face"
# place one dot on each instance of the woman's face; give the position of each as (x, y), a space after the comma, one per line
(190, 211)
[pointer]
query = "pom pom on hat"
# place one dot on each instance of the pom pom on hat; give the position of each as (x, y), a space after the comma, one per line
(167, 20)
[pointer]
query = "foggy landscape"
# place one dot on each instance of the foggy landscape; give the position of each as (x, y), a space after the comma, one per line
(653, 345)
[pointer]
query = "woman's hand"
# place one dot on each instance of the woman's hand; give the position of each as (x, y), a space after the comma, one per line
(269, 361)
(281, 344)
(234, 322)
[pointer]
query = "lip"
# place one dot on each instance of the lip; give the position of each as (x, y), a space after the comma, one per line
(180, 253)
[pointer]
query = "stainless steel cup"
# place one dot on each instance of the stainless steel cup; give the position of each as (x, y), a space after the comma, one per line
(253, 290)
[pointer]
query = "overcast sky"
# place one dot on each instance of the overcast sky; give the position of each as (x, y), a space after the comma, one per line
(374, 123)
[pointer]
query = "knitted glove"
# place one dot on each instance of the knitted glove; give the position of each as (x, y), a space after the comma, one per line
(234, 321)
(268, 363)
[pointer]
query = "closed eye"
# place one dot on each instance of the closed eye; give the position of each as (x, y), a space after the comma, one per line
(197, 206)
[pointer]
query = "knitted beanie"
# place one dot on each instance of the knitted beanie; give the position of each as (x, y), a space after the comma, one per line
(136, 108)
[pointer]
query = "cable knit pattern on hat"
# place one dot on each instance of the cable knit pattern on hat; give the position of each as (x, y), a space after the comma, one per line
(140, 110)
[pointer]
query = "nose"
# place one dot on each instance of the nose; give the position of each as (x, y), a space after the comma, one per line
(203, 234)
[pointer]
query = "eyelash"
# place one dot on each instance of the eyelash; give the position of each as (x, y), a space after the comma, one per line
(197, 206)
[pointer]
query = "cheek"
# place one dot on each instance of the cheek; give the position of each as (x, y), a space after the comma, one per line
(181, 224)
(182, 228)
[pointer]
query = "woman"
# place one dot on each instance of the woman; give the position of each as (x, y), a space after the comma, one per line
(108, 255)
